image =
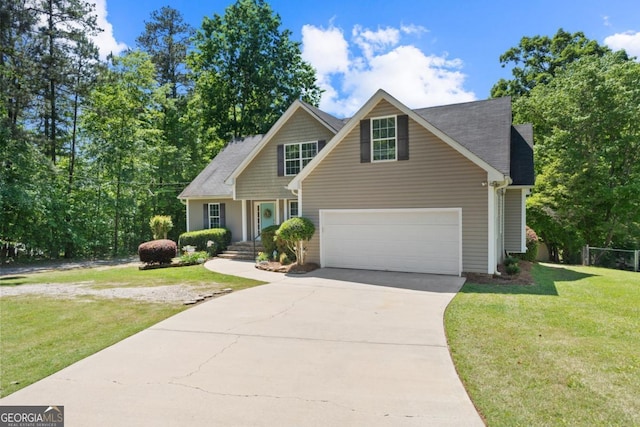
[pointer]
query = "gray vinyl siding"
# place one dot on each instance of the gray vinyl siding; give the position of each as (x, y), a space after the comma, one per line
(233, 215)
(260, 180)
(435, 176)
(513, 225)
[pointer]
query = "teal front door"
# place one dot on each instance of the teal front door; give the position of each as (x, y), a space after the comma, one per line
(266, 215)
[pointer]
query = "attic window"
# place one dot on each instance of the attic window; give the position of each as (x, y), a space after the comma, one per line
(383, 139)
(296, 156)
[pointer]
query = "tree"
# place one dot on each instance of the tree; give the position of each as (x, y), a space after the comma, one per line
(247, 71)
(587, 126)
(120, 126)
(296, 232)
(538, 59)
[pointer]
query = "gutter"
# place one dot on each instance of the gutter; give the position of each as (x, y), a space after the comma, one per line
(497, 186)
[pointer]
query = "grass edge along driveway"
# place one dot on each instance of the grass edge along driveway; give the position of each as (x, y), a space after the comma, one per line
(41, 335)
(561, 352)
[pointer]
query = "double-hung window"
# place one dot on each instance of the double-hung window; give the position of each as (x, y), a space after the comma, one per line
(384, 145)
(293, 208)
(296, 156)
(214, 215)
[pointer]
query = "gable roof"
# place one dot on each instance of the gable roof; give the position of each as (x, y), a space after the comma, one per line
(445, 118)
(327, 120)
(211, 181)
(484, 127)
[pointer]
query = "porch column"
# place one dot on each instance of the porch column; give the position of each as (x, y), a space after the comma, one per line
(244, 221)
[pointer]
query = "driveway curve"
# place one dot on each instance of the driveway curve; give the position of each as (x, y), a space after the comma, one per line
(332, 347)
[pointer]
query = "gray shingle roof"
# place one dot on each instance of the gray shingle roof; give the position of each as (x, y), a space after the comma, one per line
(483, 127)
(211, 181)
(333, 122)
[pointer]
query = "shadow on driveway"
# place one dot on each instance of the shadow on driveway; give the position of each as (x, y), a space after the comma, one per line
(392, 279)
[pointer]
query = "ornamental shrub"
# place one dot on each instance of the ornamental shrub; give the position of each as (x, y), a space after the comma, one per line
(157, 251)
(221, 237)
(532, 245)
(268, 235)
(296, 232)
(512, 269)
(160, 226)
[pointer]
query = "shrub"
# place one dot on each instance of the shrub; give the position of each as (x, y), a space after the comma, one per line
(262, 256)
(160, 226)
(296, 232)
(268, 235)
(194, 257)
(532, 246)
(510, 261)
(284, 259)
(221, 237)
(157, 251)
(512, 269)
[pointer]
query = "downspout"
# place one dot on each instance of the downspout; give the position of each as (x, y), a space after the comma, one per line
(497, 186)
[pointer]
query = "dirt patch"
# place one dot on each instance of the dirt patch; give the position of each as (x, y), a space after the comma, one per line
(524, 278)
(291, 268)
(162, 294)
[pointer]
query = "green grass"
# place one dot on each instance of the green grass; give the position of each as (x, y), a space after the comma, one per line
(41, 335)
(565, 351)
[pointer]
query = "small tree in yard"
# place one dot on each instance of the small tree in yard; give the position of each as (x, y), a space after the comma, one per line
(296, 232)
(160, 226)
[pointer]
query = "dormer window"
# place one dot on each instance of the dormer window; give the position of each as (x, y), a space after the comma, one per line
(383, 139)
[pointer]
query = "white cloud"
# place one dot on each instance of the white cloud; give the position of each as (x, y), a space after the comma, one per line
(350, 73)
(105, 41)
(628, 41)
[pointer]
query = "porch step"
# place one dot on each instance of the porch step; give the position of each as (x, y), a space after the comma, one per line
(242, 251)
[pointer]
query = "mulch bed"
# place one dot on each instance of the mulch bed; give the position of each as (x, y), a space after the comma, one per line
(523, 278)
(291, 268)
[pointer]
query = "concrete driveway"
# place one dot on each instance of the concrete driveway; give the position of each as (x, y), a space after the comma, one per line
(331, 348)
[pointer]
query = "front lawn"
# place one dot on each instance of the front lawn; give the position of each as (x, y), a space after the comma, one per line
(40, 335)
(565, 351)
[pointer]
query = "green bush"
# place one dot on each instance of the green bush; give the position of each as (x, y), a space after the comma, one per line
(221, 237)
(295, 232)
(285, 259)
(194, 257)
(160, 226)
(157, 251)
(268, 235)
(512, 269)
(263, 256)
(532, 246)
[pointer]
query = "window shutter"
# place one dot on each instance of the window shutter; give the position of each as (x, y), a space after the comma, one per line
(403, 137)
(280, 160)
(365, 141)
(321, 144)
(223, 216)
(205, 216)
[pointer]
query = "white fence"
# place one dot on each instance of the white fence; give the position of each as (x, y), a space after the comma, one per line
(622, 259)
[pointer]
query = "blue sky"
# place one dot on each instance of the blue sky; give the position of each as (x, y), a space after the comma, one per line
(422, 52)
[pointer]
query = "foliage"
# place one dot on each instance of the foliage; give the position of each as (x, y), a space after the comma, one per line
(538, 59)
(263, 256)
(248, 71)
(160, 226)
(296, 232)
(587, 151)
(158, 251)
(284, 259)
(512, 269)
(560, 352)
(268, 236)
(221, 237)
(194, 257)
(532, 242)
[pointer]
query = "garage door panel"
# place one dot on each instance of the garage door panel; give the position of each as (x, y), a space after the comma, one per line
(413, 240)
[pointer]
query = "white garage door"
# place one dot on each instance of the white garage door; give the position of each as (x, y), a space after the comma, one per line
(412, 240)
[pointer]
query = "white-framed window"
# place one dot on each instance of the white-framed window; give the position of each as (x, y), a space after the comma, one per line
(384, 146)
(297, 155)
(293, 208)
(214, 215)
